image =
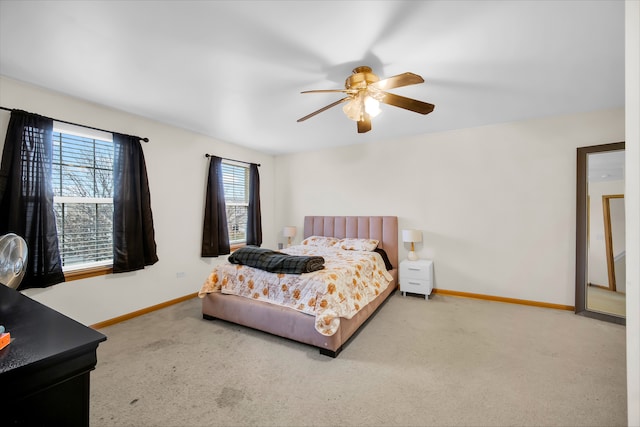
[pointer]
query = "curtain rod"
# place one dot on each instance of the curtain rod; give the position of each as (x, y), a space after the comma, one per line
(77, 124)
(233, 160)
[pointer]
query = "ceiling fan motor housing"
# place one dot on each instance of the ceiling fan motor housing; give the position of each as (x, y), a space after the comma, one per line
(361, 78)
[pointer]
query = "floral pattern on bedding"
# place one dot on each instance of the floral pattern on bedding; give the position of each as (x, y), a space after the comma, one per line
(349, 281)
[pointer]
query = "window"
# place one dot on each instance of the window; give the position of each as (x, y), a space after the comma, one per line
(82, 179)
(235, 179)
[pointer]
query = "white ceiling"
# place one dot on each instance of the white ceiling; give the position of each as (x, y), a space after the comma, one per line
(234, 70)
(605, 166)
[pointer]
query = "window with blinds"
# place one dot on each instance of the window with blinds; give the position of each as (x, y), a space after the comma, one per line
(235, 178)
(82, 178)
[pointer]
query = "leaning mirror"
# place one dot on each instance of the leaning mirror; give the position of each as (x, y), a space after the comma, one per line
(600, 233)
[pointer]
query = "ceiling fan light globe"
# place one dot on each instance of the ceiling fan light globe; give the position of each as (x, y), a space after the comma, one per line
(372, 106)
(353, 110)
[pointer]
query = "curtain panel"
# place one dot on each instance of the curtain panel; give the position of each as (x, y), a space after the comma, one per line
(134, 245)
(254, 218)
(215, 232)
(26, 196)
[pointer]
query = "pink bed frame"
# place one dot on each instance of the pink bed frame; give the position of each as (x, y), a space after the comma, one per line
(298, 326)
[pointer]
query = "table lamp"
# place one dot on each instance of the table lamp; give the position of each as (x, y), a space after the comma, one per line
(412, 236)
(289, 232)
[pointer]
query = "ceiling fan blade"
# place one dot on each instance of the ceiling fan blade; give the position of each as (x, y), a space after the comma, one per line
(400, 80)
(406, 103)
(364, 125)
(324, 108)
(330, 91)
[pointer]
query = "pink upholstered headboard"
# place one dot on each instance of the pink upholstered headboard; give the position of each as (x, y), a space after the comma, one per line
(382, 228)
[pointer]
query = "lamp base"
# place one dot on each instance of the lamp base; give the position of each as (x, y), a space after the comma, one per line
(412, 256)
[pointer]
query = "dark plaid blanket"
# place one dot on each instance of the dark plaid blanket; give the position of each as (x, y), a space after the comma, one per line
(276, 262)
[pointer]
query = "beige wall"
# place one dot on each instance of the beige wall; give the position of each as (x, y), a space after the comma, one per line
(496, 204)
(177, 176)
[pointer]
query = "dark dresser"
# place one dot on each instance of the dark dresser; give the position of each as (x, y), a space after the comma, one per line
(44, 372)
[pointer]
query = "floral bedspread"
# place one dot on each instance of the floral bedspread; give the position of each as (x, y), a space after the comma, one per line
(349, 281)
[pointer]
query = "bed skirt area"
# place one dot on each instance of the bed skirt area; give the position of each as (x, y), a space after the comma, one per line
(288, 323)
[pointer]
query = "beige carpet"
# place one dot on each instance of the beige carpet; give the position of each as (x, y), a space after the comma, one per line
(606, 301)
(444, 362)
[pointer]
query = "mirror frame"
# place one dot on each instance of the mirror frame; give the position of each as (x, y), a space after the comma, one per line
(582, 232)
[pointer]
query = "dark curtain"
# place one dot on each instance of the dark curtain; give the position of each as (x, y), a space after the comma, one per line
(134, 245)
(215, 233)
(26, 196)
(254, 218)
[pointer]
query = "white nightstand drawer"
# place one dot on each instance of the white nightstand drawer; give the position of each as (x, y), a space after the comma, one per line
(416, 270)
(416, 286)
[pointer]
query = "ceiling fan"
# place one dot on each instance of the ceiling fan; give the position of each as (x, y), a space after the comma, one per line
(365, 91)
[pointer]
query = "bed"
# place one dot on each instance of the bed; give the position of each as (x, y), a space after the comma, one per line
(294, 323)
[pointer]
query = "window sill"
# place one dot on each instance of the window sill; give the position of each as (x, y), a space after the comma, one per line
(85, 273)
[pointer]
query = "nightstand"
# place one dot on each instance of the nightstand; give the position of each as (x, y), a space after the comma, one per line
(416, 277)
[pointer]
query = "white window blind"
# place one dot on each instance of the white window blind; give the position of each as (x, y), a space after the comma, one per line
(82, 179)
(235, 178)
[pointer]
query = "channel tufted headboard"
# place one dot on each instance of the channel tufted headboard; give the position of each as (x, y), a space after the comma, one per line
(382, 228)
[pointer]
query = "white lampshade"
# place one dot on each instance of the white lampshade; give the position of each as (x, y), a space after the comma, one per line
(289, 231)
(411, 236)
